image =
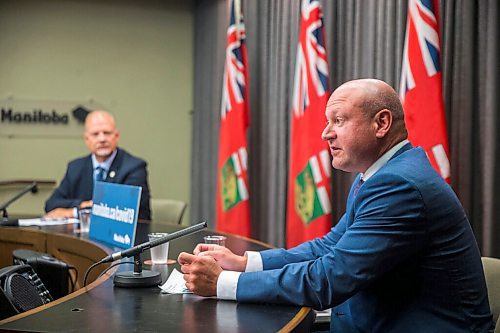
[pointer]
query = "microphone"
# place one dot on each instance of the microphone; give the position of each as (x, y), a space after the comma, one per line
(139, 277)
(33, 188)
(147, 245)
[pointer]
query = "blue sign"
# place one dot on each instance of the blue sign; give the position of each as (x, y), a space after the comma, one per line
(114, 213)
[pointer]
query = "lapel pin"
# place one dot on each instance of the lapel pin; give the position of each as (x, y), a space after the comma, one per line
(112, 174)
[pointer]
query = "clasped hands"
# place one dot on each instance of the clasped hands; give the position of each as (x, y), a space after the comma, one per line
(202, 268)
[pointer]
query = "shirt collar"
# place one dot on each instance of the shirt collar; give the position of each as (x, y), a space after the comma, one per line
(106, 165)
(382, 160)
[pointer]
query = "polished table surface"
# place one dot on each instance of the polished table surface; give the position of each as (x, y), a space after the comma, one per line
(101, 307)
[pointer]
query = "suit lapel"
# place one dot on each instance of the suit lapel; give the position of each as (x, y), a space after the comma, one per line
(115, 167)
(350, 203)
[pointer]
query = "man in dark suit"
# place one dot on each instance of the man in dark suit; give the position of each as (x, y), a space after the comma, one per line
(403, 257)
(106, 162)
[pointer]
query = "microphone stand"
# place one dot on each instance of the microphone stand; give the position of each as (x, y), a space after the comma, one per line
(5, 218)
(140, 278)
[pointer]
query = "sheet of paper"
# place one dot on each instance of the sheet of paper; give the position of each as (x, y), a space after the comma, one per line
(175, 284)
(46, 221)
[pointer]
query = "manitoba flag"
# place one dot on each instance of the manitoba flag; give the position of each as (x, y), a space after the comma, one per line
(233, 210)
(308, 209)
(421, 89)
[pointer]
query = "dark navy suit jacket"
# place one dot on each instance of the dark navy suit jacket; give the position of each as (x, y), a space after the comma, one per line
(403, 258)
(78, 182)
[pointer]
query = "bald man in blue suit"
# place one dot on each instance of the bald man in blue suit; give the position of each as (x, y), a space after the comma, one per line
(106, 163)
(403, 257)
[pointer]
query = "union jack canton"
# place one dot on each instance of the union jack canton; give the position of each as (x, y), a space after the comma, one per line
(311, 54)
(233, 90)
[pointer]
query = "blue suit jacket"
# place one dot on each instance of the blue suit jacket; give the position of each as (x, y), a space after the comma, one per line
(78, 182)
(403, 258)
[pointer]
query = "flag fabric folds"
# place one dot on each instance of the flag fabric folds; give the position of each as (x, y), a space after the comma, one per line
(309, 205)
(233, 209)
(421, 87)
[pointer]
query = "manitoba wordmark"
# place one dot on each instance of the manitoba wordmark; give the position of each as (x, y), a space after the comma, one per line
(37, 116)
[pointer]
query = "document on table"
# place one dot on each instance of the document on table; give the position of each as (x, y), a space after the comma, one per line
(175, 284)
(46, 221)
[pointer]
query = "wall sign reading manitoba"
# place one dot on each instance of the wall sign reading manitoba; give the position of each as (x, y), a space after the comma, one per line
(23, 117)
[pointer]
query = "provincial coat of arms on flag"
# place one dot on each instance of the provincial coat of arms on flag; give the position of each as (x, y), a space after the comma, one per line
(233, 186)
(311, 197)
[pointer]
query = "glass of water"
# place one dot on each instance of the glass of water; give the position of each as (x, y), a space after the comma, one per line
(84, 216)
(159, 253)
(215, 239)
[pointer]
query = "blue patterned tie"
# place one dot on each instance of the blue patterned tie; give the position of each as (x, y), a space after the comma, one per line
(358, 185)
(100, 174)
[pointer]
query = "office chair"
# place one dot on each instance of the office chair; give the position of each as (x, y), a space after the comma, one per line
(492, 273)
(168, 211)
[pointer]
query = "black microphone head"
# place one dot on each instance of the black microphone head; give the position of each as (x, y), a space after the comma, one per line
(34, 189)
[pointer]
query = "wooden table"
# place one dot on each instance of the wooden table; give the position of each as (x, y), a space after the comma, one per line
(101, 307)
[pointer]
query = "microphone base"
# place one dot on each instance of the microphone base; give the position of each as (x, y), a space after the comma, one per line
(7, 222)
(130, 279)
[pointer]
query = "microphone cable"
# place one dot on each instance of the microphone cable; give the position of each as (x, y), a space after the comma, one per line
(88, 271)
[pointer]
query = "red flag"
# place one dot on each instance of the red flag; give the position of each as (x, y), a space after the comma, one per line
(309, 206)
(421, 89)
(233, 209)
